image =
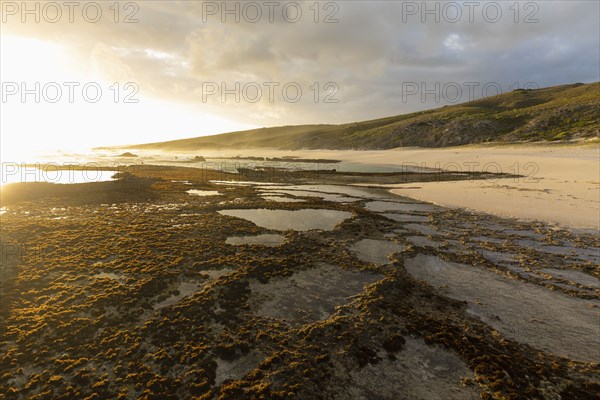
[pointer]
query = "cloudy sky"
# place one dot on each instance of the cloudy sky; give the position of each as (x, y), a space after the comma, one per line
(93, 73)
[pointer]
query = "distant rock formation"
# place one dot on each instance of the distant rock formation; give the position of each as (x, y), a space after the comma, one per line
(127, 154)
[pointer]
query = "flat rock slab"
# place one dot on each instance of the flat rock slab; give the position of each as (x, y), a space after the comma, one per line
(309, 295)
(423, 241)
(236, 369)
(532, 314)
(574, 276)
(419, 372)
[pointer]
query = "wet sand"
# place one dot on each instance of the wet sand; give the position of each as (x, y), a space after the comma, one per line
(560, 183)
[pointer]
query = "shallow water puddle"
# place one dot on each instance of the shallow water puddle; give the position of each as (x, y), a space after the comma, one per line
(521, 311)
(375, 251)
(185, 289)
(267, 239)
(298, 220)
(309, 295)
(196, 192)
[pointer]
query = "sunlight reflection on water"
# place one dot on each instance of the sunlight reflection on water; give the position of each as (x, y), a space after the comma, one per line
(15, 173)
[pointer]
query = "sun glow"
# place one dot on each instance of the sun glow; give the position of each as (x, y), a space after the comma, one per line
(53, 101)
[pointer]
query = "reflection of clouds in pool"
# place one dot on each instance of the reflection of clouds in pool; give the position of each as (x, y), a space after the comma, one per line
(298, 220)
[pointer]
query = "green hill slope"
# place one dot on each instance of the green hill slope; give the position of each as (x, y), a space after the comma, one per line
(551, 114)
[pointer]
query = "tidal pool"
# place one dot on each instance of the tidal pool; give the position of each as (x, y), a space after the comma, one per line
(267, 239)
(298, 220)
(185, 289)
(309, 295)
(375, 251)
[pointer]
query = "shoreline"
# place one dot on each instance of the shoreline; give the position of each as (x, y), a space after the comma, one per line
(561, 185)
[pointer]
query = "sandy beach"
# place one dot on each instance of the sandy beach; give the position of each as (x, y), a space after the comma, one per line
(560, 183)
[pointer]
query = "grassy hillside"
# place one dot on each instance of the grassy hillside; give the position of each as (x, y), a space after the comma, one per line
(551, 114)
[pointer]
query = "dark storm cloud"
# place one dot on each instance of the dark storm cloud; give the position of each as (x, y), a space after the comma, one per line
(371, 53)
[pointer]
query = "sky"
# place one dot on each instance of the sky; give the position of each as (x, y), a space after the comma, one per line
(83, 74)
